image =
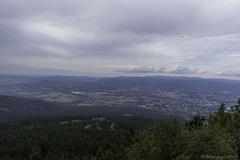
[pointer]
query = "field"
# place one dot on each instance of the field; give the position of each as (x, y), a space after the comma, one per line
(109, 100)
(58, 97)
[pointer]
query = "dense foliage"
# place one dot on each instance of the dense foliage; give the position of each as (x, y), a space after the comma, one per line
(214, 136)
(68, 138)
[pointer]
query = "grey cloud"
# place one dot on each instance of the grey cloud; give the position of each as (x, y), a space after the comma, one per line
(23, 69)
(121, 33)
(170, 17)
(10, 35)
(29, 8)
(234, 73)
(158, 17)
(204, 72)
(183, 70)
(149, 69)
(145, 69)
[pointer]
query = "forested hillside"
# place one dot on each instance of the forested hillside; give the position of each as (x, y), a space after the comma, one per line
(74, 137)
(213, 136)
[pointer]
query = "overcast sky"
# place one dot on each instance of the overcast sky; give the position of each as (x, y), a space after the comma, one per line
(199, 38)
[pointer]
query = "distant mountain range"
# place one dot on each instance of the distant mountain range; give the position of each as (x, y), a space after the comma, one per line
(172, 83)
(118, 82)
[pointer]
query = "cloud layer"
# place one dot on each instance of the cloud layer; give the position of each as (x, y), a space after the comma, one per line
(112, 38)
(148, 69)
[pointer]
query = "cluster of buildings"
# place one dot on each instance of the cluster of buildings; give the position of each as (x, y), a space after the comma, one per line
(183, 101)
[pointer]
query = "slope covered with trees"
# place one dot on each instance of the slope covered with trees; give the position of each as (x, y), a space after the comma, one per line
(216, 136)
(213, 136)
(73, 137)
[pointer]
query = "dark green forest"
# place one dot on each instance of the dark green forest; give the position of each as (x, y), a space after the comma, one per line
(213, 136)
